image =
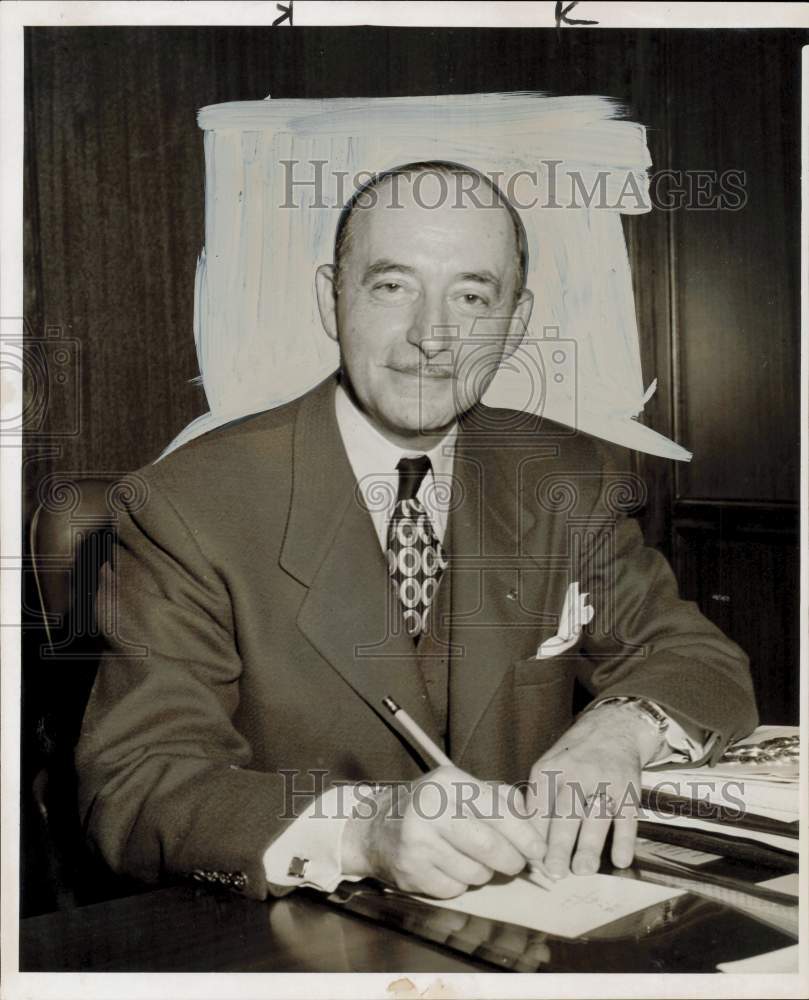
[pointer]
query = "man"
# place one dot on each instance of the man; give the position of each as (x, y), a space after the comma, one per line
(388, 536)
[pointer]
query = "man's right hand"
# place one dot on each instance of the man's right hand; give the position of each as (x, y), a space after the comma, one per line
(441, 834)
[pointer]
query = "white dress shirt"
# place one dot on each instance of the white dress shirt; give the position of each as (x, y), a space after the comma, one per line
(373, 460)
(313, 841)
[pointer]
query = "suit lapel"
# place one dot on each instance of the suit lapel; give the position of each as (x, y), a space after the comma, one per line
(332, 548)
(497, 589)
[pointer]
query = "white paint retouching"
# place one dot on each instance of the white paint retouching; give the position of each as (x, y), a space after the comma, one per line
(259, 339)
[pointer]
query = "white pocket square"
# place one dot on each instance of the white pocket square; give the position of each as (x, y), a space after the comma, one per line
(576, 613)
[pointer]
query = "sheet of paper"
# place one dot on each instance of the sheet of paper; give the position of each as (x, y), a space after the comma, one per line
(790, 844)
(673, 852)
(783, 883)
(764, 785)
(762, 733)
(782, 960)
(573, 906)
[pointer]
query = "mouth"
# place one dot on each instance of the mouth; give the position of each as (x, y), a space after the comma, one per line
(437, 373)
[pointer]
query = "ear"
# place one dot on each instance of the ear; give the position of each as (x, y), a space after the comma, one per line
(520, 315)
(326, 288)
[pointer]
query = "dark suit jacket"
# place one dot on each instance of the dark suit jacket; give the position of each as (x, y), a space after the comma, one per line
(248, 636)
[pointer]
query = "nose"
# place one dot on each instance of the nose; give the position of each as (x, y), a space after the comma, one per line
(428, 326)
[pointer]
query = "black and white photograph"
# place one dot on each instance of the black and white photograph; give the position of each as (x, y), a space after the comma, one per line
(403, 478)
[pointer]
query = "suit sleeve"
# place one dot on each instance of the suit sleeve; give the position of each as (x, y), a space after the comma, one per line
(645, 641)
(165, 784)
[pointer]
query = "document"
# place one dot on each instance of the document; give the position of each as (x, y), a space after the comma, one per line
(782, 960)
(783, 883)
(790, 844)
(673, 852)
(572, 907)
(767, 785)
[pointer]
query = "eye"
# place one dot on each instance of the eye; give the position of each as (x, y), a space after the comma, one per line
(393, 292)
(473, 299)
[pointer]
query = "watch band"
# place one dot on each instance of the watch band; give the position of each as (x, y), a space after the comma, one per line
(647, 709)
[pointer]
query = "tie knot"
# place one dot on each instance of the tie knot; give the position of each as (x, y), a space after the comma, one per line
(411, 473)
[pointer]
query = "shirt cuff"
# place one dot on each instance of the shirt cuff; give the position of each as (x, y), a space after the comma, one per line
(677, 743)
(682, 746)
(307, 853)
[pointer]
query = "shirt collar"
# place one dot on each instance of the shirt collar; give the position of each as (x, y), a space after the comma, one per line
(371, 454)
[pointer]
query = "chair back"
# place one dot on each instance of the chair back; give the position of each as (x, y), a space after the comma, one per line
(71, 536)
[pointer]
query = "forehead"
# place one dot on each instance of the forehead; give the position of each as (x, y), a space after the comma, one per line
(430, 216)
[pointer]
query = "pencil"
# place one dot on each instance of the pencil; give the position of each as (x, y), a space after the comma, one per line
(430, 750)
(421, 741)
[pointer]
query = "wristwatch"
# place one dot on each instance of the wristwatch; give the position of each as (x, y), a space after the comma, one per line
(647, 709)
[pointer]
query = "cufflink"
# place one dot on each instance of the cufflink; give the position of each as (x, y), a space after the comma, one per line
(297, 867)
(231, 880)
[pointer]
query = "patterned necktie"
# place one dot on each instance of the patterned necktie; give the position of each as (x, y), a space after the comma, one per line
(416, 559)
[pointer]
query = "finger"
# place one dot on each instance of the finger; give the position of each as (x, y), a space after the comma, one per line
(539, 818)
(625, 832)
(482, 842)
(540, 801)
(590, 844)
(503, 806)
(511, 820)
(562, 833)
(460, 866)
(434, 882)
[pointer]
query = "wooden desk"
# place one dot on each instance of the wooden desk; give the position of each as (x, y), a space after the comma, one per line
(196, 929)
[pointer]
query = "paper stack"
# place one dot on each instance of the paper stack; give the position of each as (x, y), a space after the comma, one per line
(751, 794)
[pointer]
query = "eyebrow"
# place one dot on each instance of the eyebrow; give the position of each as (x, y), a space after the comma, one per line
(482, 278)
(384, 266)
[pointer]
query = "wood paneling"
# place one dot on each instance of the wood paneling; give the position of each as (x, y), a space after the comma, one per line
(734, 339)
(736, 272)
(740, 563)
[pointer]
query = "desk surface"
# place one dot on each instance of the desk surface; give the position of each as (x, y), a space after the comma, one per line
(196, 929)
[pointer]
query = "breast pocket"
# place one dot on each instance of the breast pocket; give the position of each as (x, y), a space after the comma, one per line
(547, 670)
(543, 705)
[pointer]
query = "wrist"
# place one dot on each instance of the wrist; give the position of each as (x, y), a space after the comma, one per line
(354, 853)
(361, 834)
(640, 718)
(650, 741)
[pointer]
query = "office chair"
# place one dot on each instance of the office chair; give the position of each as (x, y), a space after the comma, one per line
(71, 536)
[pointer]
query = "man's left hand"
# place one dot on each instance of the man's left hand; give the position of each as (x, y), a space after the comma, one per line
(588, 782)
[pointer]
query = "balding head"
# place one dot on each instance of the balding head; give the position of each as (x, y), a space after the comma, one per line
(426, 295)
(454, 185)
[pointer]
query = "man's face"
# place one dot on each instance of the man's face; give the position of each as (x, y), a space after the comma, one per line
(414, 281)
